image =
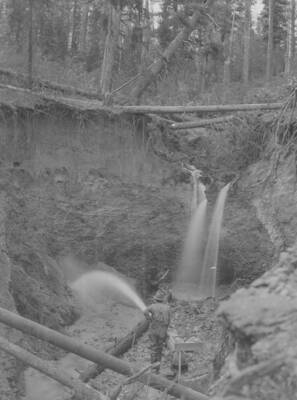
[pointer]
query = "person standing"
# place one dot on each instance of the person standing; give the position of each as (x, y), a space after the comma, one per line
(158, 314)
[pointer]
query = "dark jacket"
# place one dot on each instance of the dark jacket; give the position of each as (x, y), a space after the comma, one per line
(159, 318)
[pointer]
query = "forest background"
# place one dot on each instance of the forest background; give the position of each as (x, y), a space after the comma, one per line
(101, 45)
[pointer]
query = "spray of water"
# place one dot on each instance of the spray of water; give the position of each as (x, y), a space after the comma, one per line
(93, 286)
(209, 268)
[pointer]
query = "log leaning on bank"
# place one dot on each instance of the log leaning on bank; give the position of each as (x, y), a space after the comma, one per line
(151, 73)
(82, 391)
(97, 356)
(116, 350)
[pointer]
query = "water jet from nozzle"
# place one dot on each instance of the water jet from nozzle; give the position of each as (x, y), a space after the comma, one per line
(93, 286)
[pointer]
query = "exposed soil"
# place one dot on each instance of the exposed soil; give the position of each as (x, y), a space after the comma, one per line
(134, 222)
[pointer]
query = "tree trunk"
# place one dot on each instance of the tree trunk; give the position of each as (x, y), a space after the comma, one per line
(30, 45)
(111, 41)
(175, 5)
(247, 40)
(198, 60)
(75, 27)
(227, 63)
(220, 108)
(83, 27)
(293, 41)
(290, 39)
(270, 42)
(70, 23)
(146, 34)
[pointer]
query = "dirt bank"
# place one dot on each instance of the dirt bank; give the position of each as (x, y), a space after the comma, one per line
(262, 322)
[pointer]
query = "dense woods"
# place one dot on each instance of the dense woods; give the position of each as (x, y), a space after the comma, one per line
(102, 44)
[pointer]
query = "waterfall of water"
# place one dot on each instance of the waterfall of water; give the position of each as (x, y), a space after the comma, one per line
(209, 269)
(192, 258)
(189, 271)
(196, 276)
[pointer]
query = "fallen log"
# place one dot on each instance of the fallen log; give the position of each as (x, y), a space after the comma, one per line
(148, 76)
(45, 84)
(82, 391)
(116, 350)
(24, 96)
(199, 108)
(99, 357)
(200, 122)
(160, 120)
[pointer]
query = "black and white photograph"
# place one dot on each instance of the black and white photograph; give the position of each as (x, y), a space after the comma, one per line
(148, 200)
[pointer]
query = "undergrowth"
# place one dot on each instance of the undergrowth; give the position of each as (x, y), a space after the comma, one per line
(176, 85)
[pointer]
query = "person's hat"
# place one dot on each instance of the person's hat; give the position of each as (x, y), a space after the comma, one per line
(159, 296)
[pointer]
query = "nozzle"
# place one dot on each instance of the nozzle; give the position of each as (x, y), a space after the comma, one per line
(148, 314)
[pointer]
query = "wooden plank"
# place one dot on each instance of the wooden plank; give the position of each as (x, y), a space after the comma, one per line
(187, 346)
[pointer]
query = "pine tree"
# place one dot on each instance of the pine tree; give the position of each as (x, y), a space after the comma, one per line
(279, 21)
(247, 42)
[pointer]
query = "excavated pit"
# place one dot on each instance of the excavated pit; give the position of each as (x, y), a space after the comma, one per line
(90, 187)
